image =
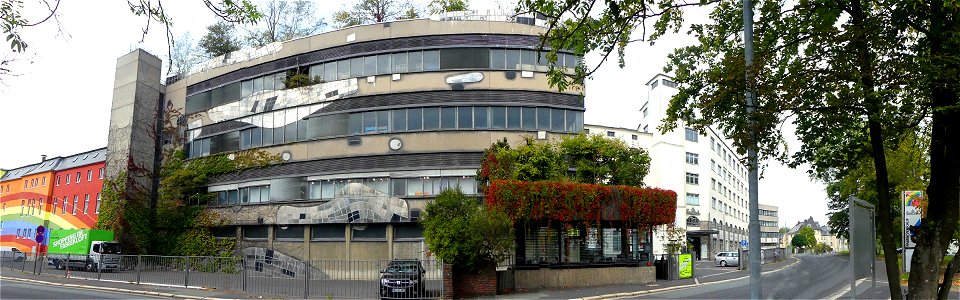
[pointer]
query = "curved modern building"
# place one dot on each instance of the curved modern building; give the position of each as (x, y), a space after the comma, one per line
(392, 114)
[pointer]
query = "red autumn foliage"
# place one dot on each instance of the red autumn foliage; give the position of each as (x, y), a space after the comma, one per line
(590, 203)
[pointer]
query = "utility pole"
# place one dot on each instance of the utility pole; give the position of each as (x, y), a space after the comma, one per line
(752, 164)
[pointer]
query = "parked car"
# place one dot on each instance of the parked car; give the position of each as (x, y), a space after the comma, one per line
(402, 279)
(11, 254)
(724, 259)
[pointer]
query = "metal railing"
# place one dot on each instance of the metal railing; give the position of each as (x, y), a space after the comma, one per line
(339, 279)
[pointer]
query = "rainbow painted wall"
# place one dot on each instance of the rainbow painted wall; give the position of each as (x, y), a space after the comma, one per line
(57, 193)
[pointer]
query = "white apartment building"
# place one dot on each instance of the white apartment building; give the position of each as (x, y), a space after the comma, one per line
(702, 167)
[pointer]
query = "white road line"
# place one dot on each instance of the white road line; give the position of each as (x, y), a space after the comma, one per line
(844, 290)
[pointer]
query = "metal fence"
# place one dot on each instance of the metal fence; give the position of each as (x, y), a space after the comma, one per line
(339, 279)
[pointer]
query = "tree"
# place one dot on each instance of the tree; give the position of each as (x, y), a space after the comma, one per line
(804, 239)
(460, 231)
(13, 22)
(219, 40)
(595, 159)
(852, 89)
(285, 20)
(442, 6)
(370, 11)
(182, 55)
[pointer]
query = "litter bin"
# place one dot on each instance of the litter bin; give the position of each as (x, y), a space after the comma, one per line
(662, 269)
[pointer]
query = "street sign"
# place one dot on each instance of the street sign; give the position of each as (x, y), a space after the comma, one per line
(912, 212)
(41, 229)
(743, 243)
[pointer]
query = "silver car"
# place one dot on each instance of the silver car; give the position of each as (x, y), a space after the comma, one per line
(724, 259)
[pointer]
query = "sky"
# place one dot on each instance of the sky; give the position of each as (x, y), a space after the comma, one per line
(59, 102)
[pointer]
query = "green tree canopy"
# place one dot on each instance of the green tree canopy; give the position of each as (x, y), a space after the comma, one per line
(805, 238)
(371, 11)
(460, 231)
(442, 6)
(219, 40)
(594, 159)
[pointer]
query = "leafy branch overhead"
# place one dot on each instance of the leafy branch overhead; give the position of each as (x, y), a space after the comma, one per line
(587, 26)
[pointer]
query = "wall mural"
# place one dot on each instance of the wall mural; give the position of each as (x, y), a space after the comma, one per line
(355, 203)
(280, 99)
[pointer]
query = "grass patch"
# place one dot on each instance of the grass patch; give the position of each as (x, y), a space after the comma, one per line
(844, 252)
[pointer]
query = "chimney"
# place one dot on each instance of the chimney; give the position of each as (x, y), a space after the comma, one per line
(43, 157)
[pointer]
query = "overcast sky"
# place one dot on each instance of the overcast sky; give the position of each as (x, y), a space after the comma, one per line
(59, 104)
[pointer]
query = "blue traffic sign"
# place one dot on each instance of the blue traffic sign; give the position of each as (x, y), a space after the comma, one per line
(743, 243)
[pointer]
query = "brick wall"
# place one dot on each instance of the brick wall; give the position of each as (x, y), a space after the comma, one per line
(447, 281)
(472, 284)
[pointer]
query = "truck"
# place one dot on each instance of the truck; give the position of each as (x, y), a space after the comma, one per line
(88, 249)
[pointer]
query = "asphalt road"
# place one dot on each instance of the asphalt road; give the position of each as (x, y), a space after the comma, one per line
(10, 289)
(814, 277)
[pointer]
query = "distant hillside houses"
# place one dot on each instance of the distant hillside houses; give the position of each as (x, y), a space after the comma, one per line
(823, 235)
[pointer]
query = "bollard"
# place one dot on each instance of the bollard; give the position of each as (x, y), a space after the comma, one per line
(23, 266)
(40, 269)
(138, 268)
(100, 267)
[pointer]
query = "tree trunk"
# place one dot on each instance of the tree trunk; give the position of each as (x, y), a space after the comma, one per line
(943, 209)
(948, 277)
(865, 63)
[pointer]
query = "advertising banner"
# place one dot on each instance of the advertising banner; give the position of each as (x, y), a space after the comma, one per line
(686, 265)
(912, 212)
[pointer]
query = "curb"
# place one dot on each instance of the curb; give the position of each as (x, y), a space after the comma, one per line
(638, 293)
(110, 289)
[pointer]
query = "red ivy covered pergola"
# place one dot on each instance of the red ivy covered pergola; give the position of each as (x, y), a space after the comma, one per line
(568, 208)
(589, 203)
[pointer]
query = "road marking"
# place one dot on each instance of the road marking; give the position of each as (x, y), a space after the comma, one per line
(100, 288)
(844, 290)
(697, 284)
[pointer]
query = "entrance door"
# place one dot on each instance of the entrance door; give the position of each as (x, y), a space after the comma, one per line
(697, 249)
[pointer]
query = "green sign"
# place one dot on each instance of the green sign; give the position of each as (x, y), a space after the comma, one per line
(686, 265)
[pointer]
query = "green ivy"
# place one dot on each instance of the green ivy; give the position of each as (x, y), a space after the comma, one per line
(178, 225)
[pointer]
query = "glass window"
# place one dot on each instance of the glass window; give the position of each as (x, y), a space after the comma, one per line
(383, 120)
(691, 134)
(415, 61)
(288, 232)
(693, 199)
(693, 178)
(330, 71)
(257, 85)
(414, 119)
(369, 122)
(513, 117)
(431, 118)
(497, 59)
(557, 119)
(254, 194)
(407, 231)
(398, 121)
(693, 158)
(327, 189)
(543, 118)
(431, 186)
(369, 231)
(431, 60)
(316, 71)
(465, 117)
(529, 118)
(570, 60)
(255, 232)
(269, 83)
(357, 66)
(414, 186)
(400, 62)
(468, 185)
(572, 121)
(513, 59)
(328, 231)
(448, 118)
(528, 60)
(481, 119)
(356, 123)
(246, 88)
(343, 69)
(383, 64)
(498, 117)
(244, 195)
(398, 187)
(370, 65)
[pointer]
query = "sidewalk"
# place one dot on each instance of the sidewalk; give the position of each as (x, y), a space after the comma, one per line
(616, 291)
(124, 287)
